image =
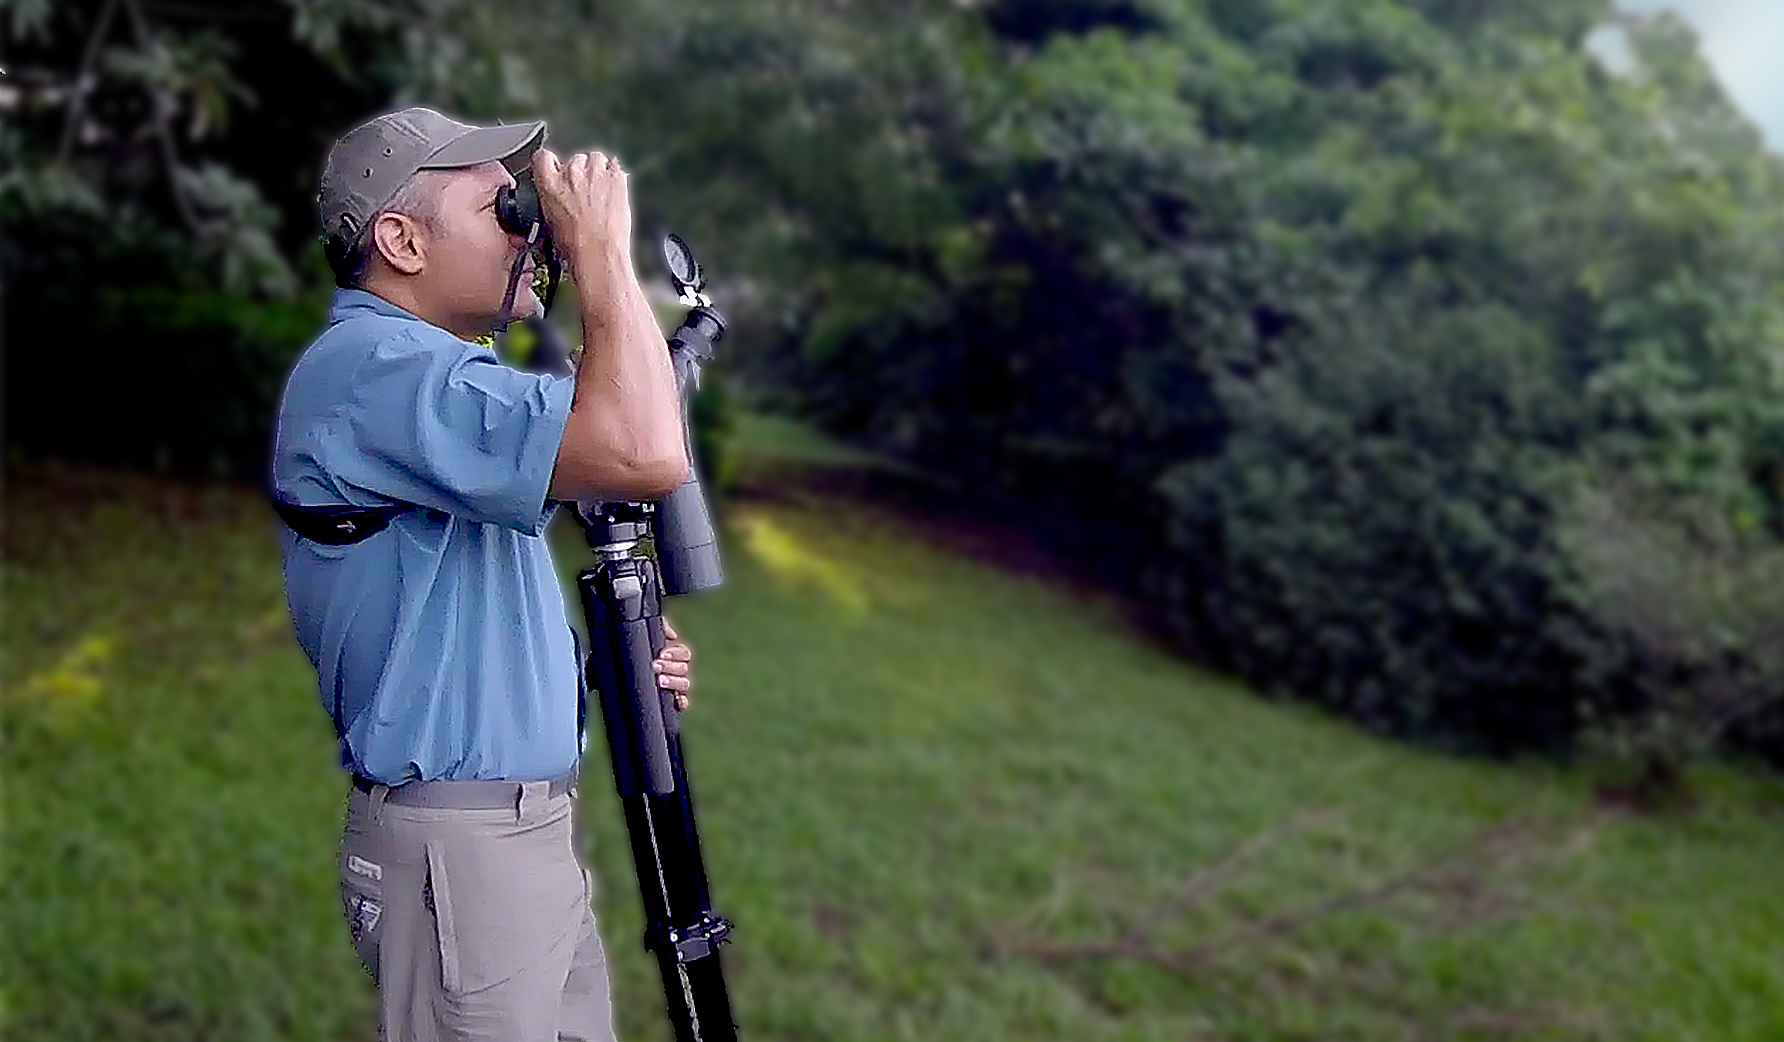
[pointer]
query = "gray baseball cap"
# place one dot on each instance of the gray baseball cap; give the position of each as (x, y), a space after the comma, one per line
(368, 164)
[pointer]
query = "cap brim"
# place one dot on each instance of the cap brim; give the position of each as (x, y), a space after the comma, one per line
(514, 146)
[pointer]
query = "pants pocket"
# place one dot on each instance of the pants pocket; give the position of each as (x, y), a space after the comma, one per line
(505, 902)
(362, 899)
(437, 894)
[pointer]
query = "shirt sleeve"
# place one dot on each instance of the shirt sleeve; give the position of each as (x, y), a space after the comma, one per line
(443, 423)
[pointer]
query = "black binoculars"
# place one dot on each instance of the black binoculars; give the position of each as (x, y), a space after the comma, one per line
(519, 213)
(517, 207)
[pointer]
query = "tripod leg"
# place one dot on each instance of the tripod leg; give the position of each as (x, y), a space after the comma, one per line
(621, 598)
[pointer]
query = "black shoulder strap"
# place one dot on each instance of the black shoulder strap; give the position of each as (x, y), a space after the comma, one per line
(336, 526)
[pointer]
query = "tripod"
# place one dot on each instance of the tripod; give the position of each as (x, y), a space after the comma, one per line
(621, 598)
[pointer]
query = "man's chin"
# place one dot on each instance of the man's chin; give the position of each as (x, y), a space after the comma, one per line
(526, 305)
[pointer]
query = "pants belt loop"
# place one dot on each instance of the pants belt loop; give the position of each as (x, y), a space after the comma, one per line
(535, 796)
(377, 795)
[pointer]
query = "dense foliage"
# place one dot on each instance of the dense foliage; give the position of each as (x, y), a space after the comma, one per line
(1381, 345)
(1400, 354)
(158, 166)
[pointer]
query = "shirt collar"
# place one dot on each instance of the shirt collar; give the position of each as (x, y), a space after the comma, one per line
(348, 302)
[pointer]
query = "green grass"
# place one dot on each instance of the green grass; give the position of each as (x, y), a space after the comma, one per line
(932, 795)
(766, 444)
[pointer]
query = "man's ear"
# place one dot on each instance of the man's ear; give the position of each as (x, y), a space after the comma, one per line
(401, 241)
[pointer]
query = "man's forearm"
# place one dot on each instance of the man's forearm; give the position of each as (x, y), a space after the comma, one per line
(625, 384)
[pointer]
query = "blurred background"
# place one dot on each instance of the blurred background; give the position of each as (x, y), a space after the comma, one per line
(1244, 519)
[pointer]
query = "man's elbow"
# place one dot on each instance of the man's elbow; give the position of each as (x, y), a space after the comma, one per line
(611, 479)
(664, 476)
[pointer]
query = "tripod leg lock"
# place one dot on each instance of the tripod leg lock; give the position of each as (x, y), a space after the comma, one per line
(691, 942)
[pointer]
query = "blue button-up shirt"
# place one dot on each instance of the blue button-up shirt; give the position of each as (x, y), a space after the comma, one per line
(441, 644)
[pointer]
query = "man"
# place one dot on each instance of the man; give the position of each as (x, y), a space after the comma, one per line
(441, 644)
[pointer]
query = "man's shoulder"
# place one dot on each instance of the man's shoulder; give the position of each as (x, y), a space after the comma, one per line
(358, 320)
(362, 328)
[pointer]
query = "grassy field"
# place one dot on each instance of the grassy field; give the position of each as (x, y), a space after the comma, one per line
(941, 801)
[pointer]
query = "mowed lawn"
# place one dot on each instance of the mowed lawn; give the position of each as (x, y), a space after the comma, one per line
(941, 801)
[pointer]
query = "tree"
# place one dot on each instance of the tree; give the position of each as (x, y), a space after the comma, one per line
(157, 187)
(1321, 312)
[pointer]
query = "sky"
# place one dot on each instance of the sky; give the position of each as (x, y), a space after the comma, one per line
(1744, 42)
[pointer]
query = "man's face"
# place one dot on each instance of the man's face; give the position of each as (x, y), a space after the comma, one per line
(470, 256)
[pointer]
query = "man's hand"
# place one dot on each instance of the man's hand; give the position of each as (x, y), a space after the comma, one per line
(675, 666)
(588, 205)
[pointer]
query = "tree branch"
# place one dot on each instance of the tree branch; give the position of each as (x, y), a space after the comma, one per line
(77, 101)
(163, 134)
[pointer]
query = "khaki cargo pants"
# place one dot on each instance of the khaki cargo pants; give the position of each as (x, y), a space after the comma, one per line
(476, 924)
